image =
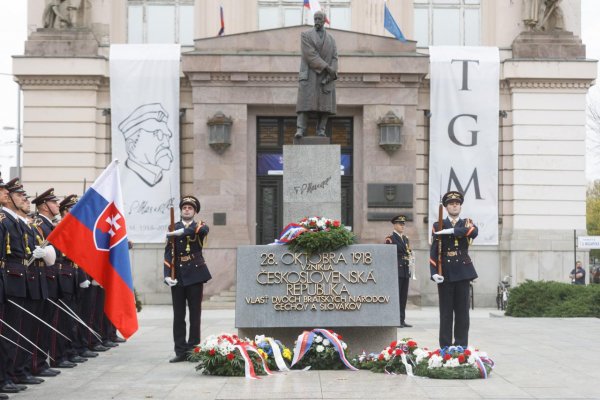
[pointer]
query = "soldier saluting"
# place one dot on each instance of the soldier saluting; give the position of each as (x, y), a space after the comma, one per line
(185, 272)
(458, 271)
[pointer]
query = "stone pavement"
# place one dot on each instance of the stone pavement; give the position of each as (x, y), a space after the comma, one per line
(535, 359)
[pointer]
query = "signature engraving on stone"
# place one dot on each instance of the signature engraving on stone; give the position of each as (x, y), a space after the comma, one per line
(310, 187)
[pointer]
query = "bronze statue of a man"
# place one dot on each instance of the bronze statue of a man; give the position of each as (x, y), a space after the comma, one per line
(318, 73)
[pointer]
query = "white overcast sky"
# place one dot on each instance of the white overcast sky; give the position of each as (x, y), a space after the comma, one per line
(13, 32)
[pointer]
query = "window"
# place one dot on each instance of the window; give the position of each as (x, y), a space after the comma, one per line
(279, 13)
(161, 21)
(447, 22)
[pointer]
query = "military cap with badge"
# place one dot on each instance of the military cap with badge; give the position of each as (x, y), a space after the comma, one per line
(68, 202)
(48, 195)
(190, 200)
(453, 196)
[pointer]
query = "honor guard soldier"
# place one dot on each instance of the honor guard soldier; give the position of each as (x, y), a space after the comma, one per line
(404, 253)
(47, 209)
(6, 384)
(457, 271)
(186, 272)
(22, 288)
(43, 255)
(73, 283)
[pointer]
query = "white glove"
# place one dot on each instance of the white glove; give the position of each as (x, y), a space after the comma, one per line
(95, 282)
(177, 232)
(38, 252)
(447, 231)
(170, 282)
(85, 284)
(50, 256)
(437, 278)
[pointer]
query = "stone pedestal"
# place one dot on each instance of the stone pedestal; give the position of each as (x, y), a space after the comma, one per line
(353, 291)
(548, 45)
(76, 42)
(311, 182)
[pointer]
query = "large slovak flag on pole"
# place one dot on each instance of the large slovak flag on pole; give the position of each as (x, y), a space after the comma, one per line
(94, 236)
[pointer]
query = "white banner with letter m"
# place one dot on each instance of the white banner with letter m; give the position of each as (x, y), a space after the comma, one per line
(144, 94)
(463, 151)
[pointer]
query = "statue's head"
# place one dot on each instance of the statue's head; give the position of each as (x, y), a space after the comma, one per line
(319, 19)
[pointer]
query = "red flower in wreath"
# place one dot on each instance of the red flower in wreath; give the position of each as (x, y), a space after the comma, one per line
(380, 357)
(196, 349)
(461, 359)
(230, 356)
(467, 352)
(411, 343)
(336, 224)
(393, 344)
(211, 352)
(399, 352)
(447, 357)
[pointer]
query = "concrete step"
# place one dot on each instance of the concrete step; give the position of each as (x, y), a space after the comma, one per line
(221, 301)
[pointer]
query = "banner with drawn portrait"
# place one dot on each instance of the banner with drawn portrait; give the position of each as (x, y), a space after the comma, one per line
(144, 93)
(463, 139)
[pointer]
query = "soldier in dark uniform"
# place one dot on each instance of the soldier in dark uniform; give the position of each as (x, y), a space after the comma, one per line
(6, 384)
(190, 275)
(457, 271)
(37, 290)
(404, 252)
(21, 282)
(47, 210)
(73, 281)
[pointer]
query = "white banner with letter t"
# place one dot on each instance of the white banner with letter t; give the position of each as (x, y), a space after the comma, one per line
(463, 152)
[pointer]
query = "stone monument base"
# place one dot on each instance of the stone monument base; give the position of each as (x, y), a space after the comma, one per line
(74, 42)
(369, 339)
(548, 45)
(312, 140)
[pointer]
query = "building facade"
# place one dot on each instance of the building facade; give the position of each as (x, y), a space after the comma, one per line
(250, 75)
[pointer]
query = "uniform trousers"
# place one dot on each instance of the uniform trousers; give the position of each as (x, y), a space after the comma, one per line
(403, 287)
(454, 307)
(43, 334)
(192, 295)
(61, 349)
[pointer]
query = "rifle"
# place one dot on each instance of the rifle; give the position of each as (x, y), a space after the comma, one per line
(172, 239)
(439, 237)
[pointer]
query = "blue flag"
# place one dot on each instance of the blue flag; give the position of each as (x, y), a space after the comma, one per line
(391, 26)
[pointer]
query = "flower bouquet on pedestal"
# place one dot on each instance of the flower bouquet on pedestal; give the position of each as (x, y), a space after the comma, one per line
(274, 352)
(316, 235)
(320, 349)
(228, 355)
(455, 362)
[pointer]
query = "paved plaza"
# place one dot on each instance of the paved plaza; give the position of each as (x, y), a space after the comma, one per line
(535, 359)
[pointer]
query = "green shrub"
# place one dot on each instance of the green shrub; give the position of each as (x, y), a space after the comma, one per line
(553, 299)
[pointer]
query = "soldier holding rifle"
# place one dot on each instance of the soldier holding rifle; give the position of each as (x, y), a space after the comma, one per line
(185, 272)
(451, 268)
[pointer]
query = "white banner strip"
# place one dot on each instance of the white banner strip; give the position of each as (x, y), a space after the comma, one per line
(464, 133)
(144, 93)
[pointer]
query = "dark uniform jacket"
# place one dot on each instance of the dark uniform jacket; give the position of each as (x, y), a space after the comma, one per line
(403, 253)
(456, 263)
(45, 227)
(37, 287)
(14, 257)
(189, 264)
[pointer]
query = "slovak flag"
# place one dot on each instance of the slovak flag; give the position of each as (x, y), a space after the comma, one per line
(313, 6)
(94, 236)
